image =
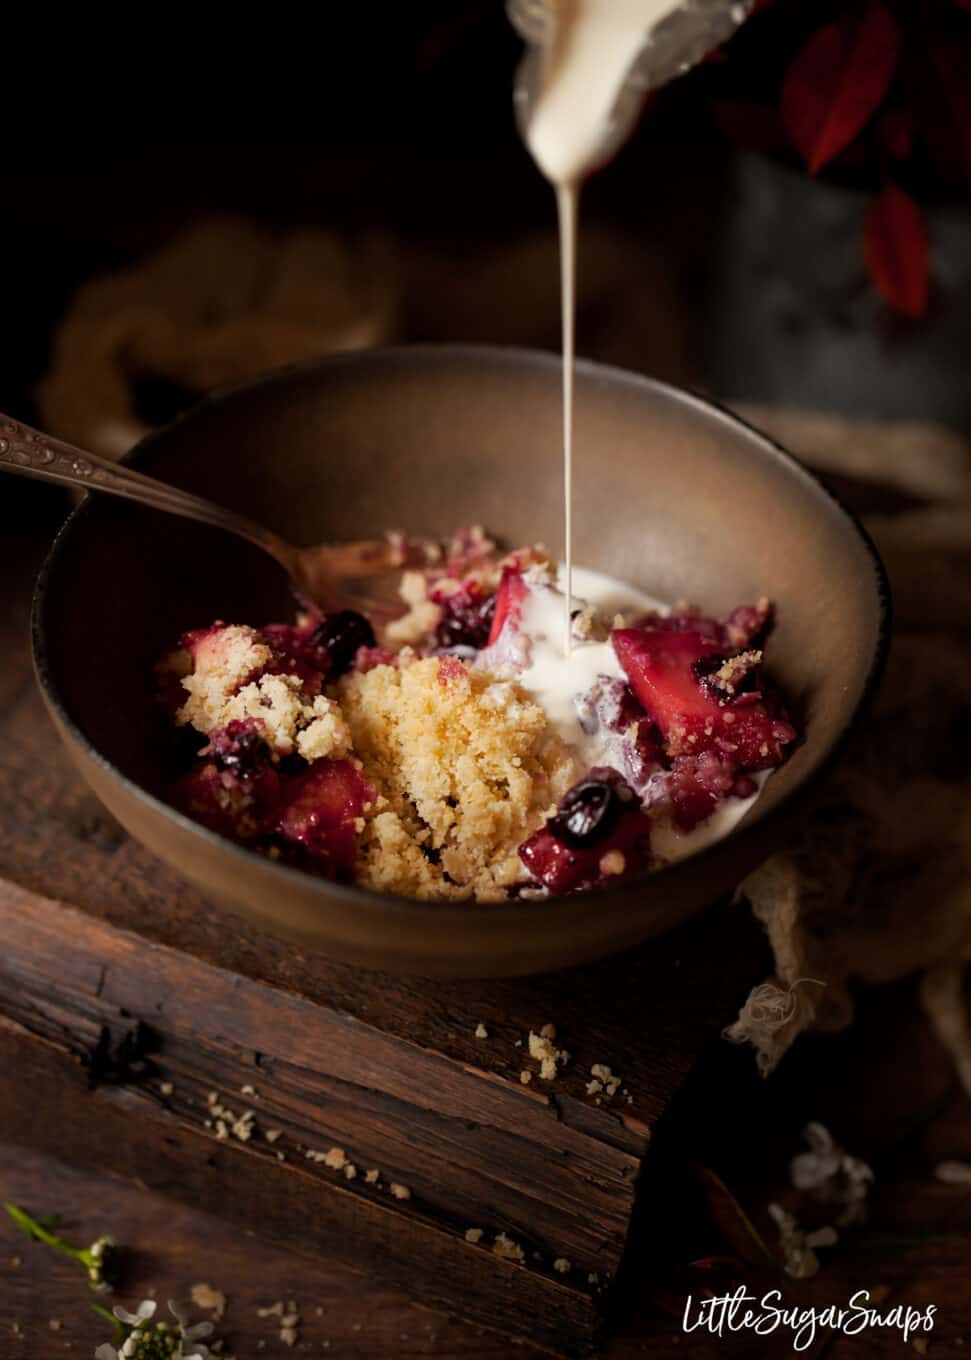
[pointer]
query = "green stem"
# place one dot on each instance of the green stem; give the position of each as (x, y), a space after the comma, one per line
(37, 1230)
(116, 1323)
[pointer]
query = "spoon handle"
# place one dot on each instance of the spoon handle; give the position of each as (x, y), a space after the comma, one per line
(29, 453)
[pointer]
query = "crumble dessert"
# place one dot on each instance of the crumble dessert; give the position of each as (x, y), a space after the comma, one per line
(461, 751)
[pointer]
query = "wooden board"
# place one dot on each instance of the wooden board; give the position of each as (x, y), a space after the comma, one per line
(126, 999)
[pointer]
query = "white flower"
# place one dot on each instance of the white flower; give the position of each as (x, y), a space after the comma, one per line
(148, 1340)
(146, 1311)
(799, 1257)
(101, 1261)
(832, 1175)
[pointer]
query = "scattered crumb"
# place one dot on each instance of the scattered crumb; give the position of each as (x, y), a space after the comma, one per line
(350, 1170)
(166, 1088)
(335, 1158)
(243, 1127)
(281, 1156)
(603, 1081)
(274, 1310)
(55, 1324)
(247, 1091)
(373, 1176)
(473, 1235)
(593, 1278)
(480, 1031)
(400, 1191)
(544, 1051)
(562, 1266)
(272, 1135)
(506, 1249)
(204, 1296)
(525, 1077)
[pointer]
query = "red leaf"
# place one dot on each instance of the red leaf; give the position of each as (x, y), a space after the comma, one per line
(836, 82)
(895, 248)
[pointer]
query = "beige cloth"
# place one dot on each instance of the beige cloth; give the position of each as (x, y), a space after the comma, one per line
(878, 883)
(223, 302)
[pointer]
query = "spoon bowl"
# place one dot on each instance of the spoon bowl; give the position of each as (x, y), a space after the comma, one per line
(330, 576)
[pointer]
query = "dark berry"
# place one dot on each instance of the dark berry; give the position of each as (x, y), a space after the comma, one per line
(590, 809)
(239, 747)
(342, 634)
(466, 620)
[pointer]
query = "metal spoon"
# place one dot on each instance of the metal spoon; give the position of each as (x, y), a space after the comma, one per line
(325, 574)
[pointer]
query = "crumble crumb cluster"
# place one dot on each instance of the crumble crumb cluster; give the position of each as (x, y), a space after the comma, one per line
(465, 767)
(544, 1051)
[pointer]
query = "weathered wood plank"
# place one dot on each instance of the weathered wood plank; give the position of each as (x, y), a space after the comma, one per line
(475, 1152)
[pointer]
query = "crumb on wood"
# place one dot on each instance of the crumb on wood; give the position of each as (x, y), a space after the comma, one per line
(400, 1191)
(289, 1323)
(480, 1031)
(247, 1090)
(543, 1049)
(603, 1081)
(55, 1324)
(507, 1249)
(167, 1088)
(205, 1296)
(473, 1235)
(372, 1176)
(271, 1135)
(525, 1076)
(562, 1266)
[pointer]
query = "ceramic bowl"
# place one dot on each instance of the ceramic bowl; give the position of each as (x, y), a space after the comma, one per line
(671, 494)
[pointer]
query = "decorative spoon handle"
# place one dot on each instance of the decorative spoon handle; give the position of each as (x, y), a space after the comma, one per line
(29, 453)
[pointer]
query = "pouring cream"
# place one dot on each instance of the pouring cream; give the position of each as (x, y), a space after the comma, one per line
(580, 91)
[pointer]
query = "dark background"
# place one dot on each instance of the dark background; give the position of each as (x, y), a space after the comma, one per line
(119, 131)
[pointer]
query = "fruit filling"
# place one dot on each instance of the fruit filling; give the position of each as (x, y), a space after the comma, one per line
(460, 751)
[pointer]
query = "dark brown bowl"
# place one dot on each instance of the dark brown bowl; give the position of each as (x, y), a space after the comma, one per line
(672, 494)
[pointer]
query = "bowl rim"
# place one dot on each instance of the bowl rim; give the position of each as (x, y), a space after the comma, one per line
(539, 360)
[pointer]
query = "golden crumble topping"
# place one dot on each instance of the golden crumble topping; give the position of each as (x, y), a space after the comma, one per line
(466, 768)
(224, 661)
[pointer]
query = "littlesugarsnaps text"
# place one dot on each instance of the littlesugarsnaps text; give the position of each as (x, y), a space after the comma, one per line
(741, 1311)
